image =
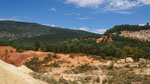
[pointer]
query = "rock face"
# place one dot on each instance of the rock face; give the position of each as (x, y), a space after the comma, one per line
(10, 74)
(143, 35)
(105, 39)
(6, 49)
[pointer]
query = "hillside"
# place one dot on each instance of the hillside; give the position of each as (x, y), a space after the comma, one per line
(119, 28)
(141, 33)
(32, 32)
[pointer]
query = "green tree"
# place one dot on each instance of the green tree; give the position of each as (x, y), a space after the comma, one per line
(147, 52)
(138, 53)
(127, 51)
(111, 50)
(37, 45)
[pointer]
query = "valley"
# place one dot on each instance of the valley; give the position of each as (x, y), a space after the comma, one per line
(119, 56)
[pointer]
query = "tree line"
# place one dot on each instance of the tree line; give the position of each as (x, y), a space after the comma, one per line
(119, 48)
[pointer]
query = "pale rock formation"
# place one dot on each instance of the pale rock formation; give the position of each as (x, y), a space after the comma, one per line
(129, 60)
(143, 35)
(10, 74)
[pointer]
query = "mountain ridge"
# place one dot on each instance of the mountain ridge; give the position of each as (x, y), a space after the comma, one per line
(32, 32)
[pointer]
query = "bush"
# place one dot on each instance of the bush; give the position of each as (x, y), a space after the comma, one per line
(47, 59)
(34, 64)
(55, 56)
(55, 64)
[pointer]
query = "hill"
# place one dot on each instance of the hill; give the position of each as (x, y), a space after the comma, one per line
(31, 32)
(141, 33)
(119, 28)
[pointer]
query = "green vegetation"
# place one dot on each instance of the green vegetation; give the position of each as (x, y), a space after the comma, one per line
(55, 64)
(34, 64)
(38, 65)
(125, 77)
(120, 47)
(84, 68)
(47, 59)
(29, 33)
(119, 28)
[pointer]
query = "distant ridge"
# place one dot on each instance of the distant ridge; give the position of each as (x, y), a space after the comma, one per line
(31, 32)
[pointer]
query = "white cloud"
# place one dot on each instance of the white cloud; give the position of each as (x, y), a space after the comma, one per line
(85, 3)
(3, 19)
(17, 18)
(84, 29)
(110, 5)
(99, 31)
(46, 24)
(124, 12)
(73, 14)
(84, 18)
(53, 9)
(52, 25)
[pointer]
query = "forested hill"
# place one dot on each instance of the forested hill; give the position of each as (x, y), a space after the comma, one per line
(141, 33)
(32, 32)
(119, 28)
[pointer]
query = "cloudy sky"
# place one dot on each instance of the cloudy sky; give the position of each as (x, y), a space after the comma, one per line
(89, 15)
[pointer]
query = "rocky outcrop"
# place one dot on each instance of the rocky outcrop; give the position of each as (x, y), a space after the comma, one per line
(6, 49)
(104, 38)
(10, 74)
(143, 35)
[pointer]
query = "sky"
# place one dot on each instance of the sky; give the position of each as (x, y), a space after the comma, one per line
(90, 15)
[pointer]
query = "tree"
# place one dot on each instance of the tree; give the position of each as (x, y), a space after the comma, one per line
(37, 45)
(111, 50)
(138, 53)
(127, 51)
(147, 52)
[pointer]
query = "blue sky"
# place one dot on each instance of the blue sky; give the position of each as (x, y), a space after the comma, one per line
(90, 15)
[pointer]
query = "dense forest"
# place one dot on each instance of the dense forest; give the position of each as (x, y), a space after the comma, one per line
(29, 33)
(119, 48)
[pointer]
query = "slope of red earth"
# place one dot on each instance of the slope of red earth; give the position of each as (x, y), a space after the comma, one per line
(9, 55)
(18, 59)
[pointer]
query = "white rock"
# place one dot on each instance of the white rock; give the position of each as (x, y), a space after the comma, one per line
(109, 63)
(142, 60)
(129, 60)
(121, 61)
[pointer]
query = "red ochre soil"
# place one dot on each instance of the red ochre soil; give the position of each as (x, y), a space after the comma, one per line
(19, 59)
(9, 55)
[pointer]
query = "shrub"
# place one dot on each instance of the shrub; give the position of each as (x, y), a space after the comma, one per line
(55, 56)
(55, 64)
(34, 64)
(47, 59)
